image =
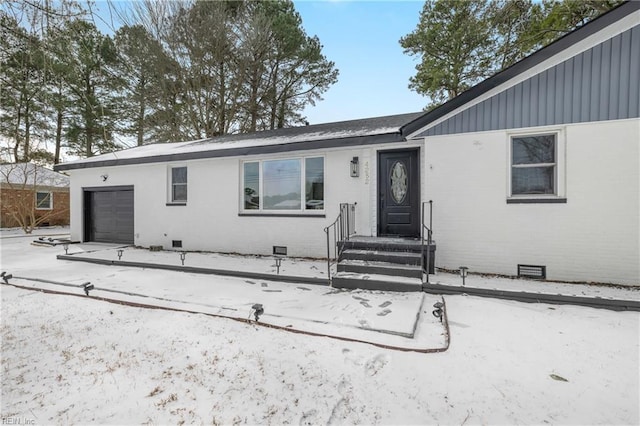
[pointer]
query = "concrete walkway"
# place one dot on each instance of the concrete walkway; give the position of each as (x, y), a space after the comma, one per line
(315, 272)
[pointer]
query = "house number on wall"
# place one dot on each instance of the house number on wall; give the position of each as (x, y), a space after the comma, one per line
(366, 173)
(398, 182)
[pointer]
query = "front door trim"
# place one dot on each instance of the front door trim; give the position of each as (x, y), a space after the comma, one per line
(408, 209)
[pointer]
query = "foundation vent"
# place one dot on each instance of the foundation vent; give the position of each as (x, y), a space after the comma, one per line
(280, 250)
(537, 272)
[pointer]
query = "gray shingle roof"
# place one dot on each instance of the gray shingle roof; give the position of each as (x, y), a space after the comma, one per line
(26, 174)
(326, 135)
(364, 126)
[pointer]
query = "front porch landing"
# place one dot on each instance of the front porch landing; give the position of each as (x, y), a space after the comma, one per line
(383, 263)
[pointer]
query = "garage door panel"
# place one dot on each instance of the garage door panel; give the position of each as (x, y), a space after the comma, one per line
(110, 216)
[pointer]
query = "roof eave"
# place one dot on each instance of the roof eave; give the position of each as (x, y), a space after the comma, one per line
(521, 66)
(239, 152)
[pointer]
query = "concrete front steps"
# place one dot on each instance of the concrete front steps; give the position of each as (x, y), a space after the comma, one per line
(378, 263)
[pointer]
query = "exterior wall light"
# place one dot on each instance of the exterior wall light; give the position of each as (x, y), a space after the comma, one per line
(355, 167)
(463, 273)
(86, 287)
(183, 254)
(437, 312)
(120, 251)
(258, 310)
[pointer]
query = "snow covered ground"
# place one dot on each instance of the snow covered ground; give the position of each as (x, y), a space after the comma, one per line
(72, 359)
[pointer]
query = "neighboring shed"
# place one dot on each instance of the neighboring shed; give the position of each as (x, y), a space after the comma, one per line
(32, 195)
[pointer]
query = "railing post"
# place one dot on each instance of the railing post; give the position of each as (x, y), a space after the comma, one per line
(341, 228)
(348, 223)
(353, 218)
(326, 230)
(344, 211)
(430, 217)
(429, 239)
(422, 241)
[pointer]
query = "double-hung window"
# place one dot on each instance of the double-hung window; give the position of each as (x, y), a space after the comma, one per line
(44, 200)
(178, 189)
(283, 185)
(534, 165)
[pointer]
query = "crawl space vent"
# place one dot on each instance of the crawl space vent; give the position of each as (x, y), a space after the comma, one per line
(280, 250)
(176, 243)
(537, 272)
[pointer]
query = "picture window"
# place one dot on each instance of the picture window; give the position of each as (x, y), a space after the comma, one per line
(283, 185)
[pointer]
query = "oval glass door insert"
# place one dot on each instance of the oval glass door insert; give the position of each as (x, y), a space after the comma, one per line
(399, 182)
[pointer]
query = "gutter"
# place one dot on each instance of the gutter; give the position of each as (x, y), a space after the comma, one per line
(239, 152)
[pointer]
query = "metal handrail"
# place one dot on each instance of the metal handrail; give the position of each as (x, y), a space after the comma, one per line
(429, 231)
(342, 228)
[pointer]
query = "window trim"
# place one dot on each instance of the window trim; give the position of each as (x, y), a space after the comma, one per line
(50, 194)
(302, 211)
(170, 185)
(559, 195)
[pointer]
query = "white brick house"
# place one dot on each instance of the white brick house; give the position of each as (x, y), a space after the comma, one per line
(537, 165)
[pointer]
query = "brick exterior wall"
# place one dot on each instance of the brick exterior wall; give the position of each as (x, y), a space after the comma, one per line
(10, 197)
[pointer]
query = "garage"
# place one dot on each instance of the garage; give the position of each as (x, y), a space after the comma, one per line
(109, 214)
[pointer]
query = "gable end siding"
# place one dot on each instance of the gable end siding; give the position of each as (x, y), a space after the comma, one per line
(599, 84)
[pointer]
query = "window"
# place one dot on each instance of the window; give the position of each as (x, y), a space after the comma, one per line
(284, 185)
(534, 165)
(314, 183)
(251, 186)
(178, 184)
(44, 200)
(281, 185)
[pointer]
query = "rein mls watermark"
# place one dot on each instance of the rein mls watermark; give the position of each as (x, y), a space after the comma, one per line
(18, 421)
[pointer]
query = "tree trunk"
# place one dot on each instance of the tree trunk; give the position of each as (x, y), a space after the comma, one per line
(253, 102)
(88, 118)
(274, 97)
(16, 146)
(140, 121)
(27, 135)
(56, 158)
(282, 111)
(222, 107)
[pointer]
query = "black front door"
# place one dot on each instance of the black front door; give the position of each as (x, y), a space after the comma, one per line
(399, 193)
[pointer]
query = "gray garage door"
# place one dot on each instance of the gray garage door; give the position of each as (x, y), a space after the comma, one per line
(109, 215)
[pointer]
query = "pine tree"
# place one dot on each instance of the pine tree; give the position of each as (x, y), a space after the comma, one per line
(453, 40)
